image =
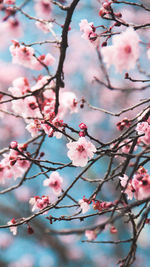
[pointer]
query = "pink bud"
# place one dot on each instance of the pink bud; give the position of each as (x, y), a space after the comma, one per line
(113, 230)
(106, 6)
(119, 15)
(22, 147)
(13, 145)
(102, 12)
(81, 134)
(82, 126)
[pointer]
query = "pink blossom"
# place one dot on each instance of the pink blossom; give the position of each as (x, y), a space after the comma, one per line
(25, 56)
(22, 55)
(124, 51)
(84, 206)
(5, 172)
(43, 9)
(126, 146)
(144, 128)
(14, 72)
(113, 230)
(141, 183)
(68, 101)
(80, 151)
(9, 2)
(129, 189)
(88, 30)
(39, 203)
(33, 128)
(13, 229)
(20, 87)
(9, 30)
(13, 165)
(55, 182)
(90, 234)
(13, 144)
(50, 130)
(47, 60)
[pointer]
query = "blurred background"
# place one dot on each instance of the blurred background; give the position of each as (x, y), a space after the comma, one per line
(81, 66)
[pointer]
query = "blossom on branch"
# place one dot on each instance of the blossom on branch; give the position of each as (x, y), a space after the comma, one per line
(90, 234)
(39, 203)
(80, 151)
(144, 128)
(55, 182)
(13, 229)
(84, 205)
(124, 51)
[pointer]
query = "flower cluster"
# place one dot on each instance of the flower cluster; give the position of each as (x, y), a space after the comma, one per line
(14, 164)
(37, 108)
(144, 128)
(88, 30)
(39, 203)
(25, 56)
(139, 186)
(124, 123)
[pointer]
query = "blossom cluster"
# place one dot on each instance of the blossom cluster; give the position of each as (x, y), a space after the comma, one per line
(143, 128)
(37, 106)
(138, 186)
(14, 164)
(25, 56)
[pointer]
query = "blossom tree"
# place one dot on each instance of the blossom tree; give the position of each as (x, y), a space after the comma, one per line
(75, 140)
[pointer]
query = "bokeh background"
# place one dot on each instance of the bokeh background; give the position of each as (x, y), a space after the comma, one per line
(81, 66)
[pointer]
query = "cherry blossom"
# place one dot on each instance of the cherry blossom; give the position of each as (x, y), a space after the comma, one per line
(25, 56)
(43, 9)
(39, 203)
(9, 2)
(84, 206)
(144, 128)
(113, 230)
(9, 29)
(86, 28)
(89, 33)
(129, 188)
(69, 101)
(13, 165)
(20, 87)
(124, 51)
(80, 151)
(141, 183)
(90, 234)
(55, 182)
(13, 229)
(33, 127)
